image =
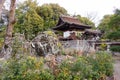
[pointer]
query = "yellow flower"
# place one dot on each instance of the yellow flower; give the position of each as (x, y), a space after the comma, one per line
(31, 58)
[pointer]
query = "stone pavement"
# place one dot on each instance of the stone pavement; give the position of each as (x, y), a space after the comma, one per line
(117, 70)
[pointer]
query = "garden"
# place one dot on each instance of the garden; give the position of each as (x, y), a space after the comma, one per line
(98, 66)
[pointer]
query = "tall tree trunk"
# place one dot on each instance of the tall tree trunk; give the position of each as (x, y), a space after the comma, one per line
(8, 37)
(1, 5)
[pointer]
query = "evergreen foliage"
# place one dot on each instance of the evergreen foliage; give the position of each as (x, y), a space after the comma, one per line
(110, 25)
(29, 22)
(50, 13)
(115, 48)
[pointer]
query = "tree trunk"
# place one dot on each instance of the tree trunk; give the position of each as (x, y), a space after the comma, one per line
(1, 5)
(8, 37)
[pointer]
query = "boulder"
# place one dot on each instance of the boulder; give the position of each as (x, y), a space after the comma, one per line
(46, 43)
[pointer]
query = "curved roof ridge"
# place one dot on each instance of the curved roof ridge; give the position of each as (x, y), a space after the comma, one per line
(70, 19)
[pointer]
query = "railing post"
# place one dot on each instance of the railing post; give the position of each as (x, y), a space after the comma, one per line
(108, 47)
(93, 45)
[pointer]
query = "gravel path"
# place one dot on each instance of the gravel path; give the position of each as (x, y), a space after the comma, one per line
(117, 68)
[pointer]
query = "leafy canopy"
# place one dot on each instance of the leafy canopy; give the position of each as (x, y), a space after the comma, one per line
(110, 24)
(29, 22)
(50, 14)
(85, 21)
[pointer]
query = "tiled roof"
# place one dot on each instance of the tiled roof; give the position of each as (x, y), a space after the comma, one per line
(68, 23)
(71, 20)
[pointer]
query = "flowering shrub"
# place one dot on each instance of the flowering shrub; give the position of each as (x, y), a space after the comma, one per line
(93, 67)
(25, 68)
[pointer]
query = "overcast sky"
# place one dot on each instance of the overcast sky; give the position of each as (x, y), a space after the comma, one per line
(97, 8)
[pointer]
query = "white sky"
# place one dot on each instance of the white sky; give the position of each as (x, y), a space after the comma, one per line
(95, 8)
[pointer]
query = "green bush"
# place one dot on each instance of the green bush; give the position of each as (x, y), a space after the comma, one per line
(93, 67)
(64, 71)
(114, 35)
(81, 69)
(115, 48)
(102, 64)
(25, 68)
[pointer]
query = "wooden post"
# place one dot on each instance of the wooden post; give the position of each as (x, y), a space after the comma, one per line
(93, 45)
(108, 47)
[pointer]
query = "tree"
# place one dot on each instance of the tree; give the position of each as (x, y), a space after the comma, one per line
(8, 37)
(4, 17)
(29, 22)
(103, 26)
(3, 21)
(50, 14)
(114, 25)
(85, 21)
(46, 12)
(115, 35)
(57, 10)
(111, 26)
(104, 22)
(1, 5)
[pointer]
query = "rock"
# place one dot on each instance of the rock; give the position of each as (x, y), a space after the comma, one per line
(16, 47)
(46, 43)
